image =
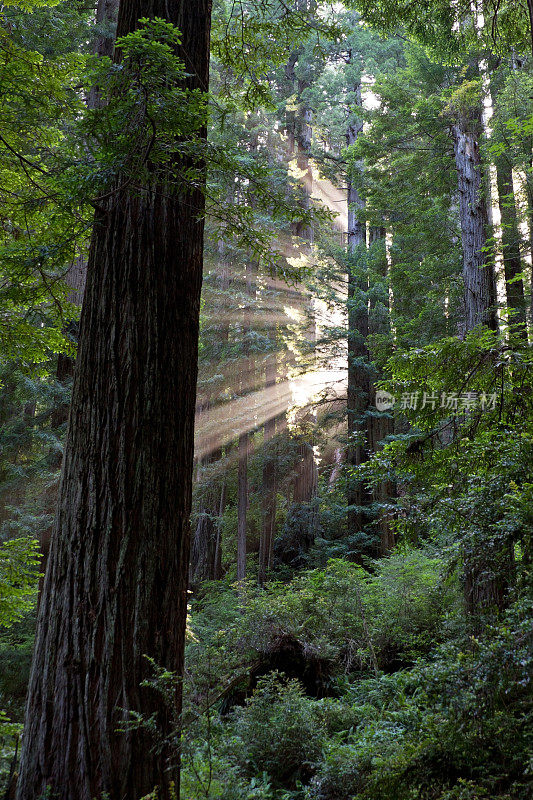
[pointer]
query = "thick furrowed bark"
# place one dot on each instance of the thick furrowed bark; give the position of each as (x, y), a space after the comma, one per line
(116, 584)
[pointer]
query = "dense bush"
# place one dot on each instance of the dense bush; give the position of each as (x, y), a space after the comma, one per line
(359, 621)
(278, 731)
(454, 725)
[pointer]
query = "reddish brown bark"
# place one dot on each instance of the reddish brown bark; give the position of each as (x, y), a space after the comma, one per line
(116, 584)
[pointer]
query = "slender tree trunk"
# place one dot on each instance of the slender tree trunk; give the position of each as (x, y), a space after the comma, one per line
(380, 426)
(106, 18)
(304, 135)
(290, 115)
(530, 15)
(529, 200)
(358, 396)
(242, 504)
(205, 544)
(514, 284)
(244, 438)
(218, 542)
(116, 585)
(269, 483)
(478, 271)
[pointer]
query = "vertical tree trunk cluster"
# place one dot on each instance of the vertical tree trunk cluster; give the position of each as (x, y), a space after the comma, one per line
(115, 591)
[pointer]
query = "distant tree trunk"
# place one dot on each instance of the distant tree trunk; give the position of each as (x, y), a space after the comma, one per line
(304, 135)
(358, 396)
(485, 578)
(242, 504)
(290, 115)
(218, 572)
(203, 547)
(380, 426)
(305, 483)
(106, 18)
(478, 270)
(116, 584)
(300, 528)
(244, 438)
(514, 284)
(306, 480)
(269, 483)
(75, 280)
(205, 544)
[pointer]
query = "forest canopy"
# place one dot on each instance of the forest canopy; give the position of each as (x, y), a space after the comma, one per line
(266, 422)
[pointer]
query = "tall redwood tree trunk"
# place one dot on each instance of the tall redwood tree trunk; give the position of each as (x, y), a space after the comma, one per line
(478, 271)
(486, 569)
(379, 426)
(116, 584)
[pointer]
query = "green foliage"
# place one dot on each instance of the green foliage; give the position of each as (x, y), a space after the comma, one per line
(278, 732)
(455, 725)
(19, 573)
(467, 469)
(353, 620)
(147, 117)
(19, 570)
(414, 691)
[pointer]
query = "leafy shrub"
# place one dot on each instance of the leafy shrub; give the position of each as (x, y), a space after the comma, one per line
(358, 620)
(278, 732)
(408, 603)
(457, 726)
(19, 564)
(19, 570)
